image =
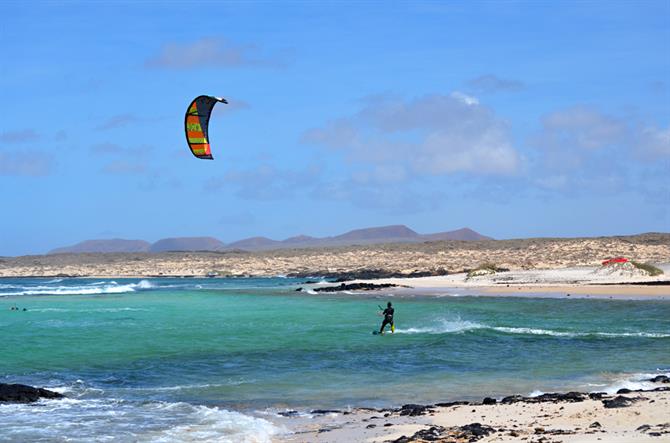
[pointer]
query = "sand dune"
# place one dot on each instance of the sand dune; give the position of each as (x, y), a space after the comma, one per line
(454, 256)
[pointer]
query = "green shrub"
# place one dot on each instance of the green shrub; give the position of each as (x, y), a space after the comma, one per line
(651, 269)
(483, 269)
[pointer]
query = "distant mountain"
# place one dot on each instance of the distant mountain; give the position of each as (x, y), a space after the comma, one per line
(465, 234)
(383, 232)
(367, 236)
(253, 243)
(187, 244)
(298, 239)
(110, 245)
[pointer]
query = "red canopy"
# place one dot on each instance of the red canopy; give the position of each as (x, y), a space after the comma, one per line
(615, 260)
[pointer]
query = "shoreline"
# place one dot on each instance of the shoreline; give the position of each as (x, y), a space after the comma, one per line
(627, 416)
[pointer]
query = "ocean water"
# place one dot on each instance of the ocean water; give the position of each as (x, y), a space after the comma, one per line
(216, 359)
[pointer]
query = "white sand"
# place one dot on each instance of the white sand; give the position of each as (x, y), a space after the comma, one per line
(513, 422)
(577, 281)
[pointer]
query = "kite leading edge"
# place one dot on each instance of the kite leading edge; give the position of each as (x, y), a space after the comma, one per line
(196, 123)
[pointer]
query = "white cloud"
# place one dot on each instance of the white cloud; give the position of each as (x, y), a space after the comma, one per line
(581, 127)
(653, 143)
(434, 134)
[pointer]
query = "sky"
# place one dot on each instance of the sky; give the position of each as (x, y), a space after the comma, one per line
(515, 118)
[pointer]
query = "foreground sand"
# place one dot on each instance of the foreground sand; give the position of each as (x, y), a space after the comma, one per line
(647, 419)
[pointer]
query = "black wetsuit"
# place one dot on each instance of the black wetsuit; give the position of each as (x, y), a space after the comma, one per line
(388, 319)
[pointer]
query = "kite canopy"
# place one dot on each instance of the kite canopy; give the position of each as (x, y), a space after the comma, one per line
(196, 123)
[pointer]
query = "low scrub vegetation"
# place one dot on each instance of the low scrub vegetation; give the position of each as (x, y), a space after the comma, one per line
(651, 269)
(485, 269)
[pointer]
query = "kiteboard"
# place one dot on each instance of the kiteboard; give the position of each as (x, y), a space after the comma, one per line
(379, 333)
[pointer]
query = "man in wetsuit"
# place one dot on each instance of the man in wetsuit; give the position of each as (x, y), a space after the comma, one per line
(388, 318)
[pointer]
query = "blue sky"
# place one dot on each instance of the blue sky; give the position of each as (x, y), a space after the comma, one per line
(515, 118)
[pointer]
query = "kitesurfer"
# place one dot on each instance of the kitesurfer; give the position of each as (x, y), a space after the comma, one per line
(388, 318)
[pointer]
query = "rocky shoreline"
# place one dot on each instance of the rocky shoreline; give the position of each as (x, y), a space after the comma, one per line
(536, 419)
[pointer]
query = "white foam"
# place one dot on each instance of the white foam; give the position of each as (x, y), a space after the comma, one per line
(533, 331)
(87, 310)
(219, 425)
(448, 326)
(119, 420)
(444, 327)
(111, 287)
(632, 382)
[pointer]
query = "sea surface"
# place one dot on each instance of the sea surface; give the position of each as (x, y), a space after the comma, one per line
(216, 359)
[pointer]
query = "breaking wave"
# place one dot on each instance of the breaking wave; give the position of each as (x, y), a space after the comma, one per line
(445, 326)
(110, 287)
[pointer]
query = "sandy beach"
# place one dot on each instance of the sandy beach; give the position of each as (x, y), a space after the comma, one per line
(578, 282)
(641, 417)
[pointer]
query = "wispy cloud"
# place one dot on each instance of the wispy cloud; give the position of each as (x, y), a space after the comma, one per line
(108, 148)
(233, 105)
(582, 148)
(20, 136)
(117, 121)
(208, 53)
(30, 164)
(489, 84)
(653, 143)
(266, 182)
(123, 167)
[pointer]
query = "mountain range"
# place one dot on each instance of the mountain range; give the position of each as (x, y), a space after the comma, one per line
(366, 236)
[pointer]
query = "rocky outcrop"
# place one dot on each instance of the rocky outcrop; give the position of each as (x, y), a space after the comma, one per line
(368, 274)
(467, 433)
(355, 287)
(17, 393)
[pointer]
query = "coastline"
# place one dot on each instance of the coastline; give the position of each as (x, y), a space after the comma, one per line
(628, 416)
(576, 282)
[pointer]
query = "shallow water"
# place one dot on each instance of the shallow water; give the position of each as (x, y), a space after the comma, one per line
(126, 351)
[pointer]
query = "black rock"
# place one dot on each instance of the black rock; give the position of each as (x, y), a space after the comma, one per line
(325, 411)
(414, 410)
(595, 424)
(660, 379)
(291, 413)
(489, 401)
(367, 274)
(298, 290)
(371, 426)
(624, 391)
(452, 403)
(355, 287)
(512, 399)
(17, 393)
(618, 402)
(476, 430)
(643, 428)
(597, 395)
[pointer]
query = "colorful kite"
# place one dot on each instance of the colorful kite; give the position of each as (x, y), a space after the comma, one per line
(196, 125)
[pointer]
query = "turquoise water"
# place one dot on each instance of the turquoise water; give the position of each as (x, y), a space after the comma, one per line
(222, 354)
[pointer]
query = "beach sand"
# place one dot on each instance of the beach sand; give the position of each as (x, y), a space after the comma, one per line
(646, 419)
(578, 282)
